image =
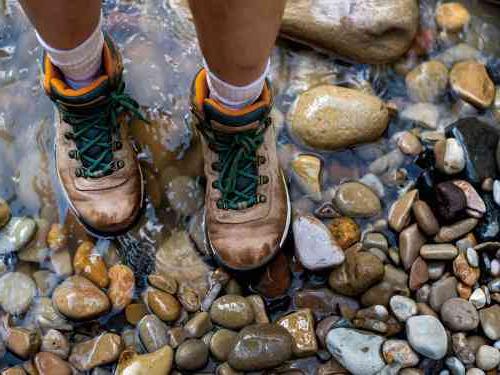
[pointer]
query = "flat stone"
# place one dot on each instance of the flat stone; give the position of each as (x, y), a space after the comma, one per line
(490, 321)
(399, 213)
(427, 82)
(438, 252)
(157, 363)
(357, 351)
(419, 274)
(152, 332)
(163, 305)
(411, 240)
(470, 80)
(427, 336)
(332, 117)
(300, 325)
(48, 364)
(464, 272)
(442, 291)
(459, 315)
(315, 245)
(395, 281)
(345, 231)
(261, 346)
(475, 204)
(99, 351)
(425, 218)
(455, 231)
(121, 287)
(221, 344)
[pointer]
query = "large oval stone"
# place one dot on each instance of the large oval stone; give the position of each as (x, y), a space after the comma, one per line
(232, 311)
(332, 117)
(260, 346)
(77, 298)
(357, 200)
(374, 31)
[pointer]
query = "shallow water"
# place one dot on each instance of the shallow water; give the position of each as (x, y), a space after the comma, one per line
(161, 56)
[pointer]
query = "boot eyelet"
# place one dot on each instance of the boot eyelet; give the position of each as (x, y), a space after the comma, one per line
(263, 180)
(261, 159)
(215, 167)
(68, 136)
(118, 145)
(72, 154)
(215, 184)
(78, 172)
(120, 164)
(221, 205)
(262, 198)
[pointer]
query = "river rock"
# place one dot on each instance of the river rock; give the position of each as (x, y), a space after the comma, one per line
(442, 291)
(427, 82)
(191, 355)
(475, 204)
(399, 351)
(451, 201)
(371, 32)
(163, 305)
(459, 315)
(49, 364)
(411, 241)
(16, 234)
(452, 16)
(79, 299)
(438, 252)
(458, 52)
(16, 292)
(315, 245)
(4, 213)
(489, 226)
(198, 325)
(425, 218)
(98, 351)
(152, 332)
(399, 213)
(323, 302)
(395, 281)
(121, 287)
(454, 157)
(221, 344)
(419, 274)
(232, 311)
(261, 346)
(157, 363)
(88, 263)
(300, 325)
(357, 200)
(359, 271)
(403, 307)
(427, 336)
(345, 231)
(490, 321)
(456, 230)
(357, 351)
(487, 357)
(23, 342)
(55, 342)
(331, 117)
(423, 114)
(464, 272)
(307, 170)
(470, 81)
(185, 195)
(409, 144)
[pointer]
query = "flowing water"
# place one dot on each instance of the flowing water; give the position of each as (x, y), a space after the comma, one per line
(161, 56)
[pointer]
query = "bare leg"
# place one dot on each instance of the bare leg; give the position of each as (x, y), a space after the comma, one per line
(237, 36)
(63, 24)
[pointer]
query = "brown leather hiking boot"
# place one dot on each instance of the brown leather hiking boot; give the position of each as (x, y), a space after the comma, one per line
(96, 165)
(247, 206)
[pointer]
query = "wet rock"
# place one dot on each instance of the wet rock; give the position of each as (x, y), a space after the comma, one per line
(135, 312)
(260, 346)
(45, 281)
(77, 298)
(478, 298)
(411, 241)
(455, 366)
(454, 157)
(403, 307)
(455, 231)
(57, 237)
(399, 213)
(427, 82)
(464, 272)
(23, 342)
(451, 201)
(276, 278)
(427, 336)
(61, 263)
(315, 245)
(345, 231)
(16, 234)
(165, 283)
(459, 315)
(489, 227)
(98, 351)
(163, 305)
(307, 171)
(37, 249)
(425, 218)
(157, 363)
(399, 351)
(470, 81)
(366, 30)
(479, 141)
(452, 16)
(475, 204)
(4, 213)
(359, 271)
(191, 355)
(357, 200)
(189, 299)
(329, 117)
(56, 343)
(424, 114)
(395, 281)
(231, 311)
(458, 52)
(90, 265)
(323, 302)
(221, 344)
(490, 321)
(375, 240)
(357, 351)
(419, 274)
(462, 349)
(46, 316)
(409, 144)
(48, 364)
(300, 325)
(16, 292)
(438, 252)
(177, 257)
(121, 287)
(152, 332)
(442, 291)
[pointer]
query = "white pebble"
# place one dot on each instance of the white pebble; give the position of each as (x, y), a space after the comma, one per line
(472, 257)
(454, 157)
(496, 192)
(495, 268)
(478, 298)
(487, 357)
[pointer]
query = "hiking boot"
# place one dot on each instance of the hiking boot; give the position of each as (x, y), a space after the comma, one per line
(247, 207)
(95, 162)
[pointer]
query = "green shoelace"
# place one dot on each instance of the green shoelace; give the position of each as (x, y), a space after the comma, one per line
(96, 133)
(238, 167)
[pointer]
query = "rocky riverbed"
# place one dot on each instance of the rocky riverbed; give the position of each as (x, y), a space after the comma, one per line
(388, 115)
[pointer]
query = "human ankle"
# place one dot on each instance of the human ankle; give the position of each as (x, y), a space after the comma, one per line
(232, 96)
(82, 64)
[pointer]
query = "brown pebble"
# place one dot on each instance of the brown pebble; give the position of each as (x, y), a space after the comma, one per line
(50, 364)
(163, 305)
(425, 218)
(57, 238)
(164, 283)
(464, 291)
(135, 312)
(90, 266)
(121, 287)
(419, 274)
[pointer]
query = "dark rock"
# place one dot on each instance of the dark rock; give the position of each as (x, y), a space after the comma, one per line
(451, 201)
(479, 141)
(489, 227)
(323, 302)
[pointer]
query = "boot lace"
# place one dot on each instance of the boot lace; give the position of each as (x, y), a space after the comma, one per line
(96, 133)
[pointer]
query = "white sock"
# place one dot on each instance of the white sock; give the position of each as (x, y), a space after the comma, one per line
(80, 65)
(235, 97)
